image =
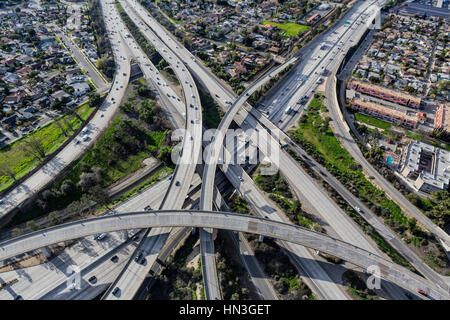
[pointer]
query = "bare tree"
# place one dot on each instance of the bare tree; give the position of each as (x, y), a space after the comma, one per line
(72, 112)
(60, 126)
(7, 171)
(68, 123)
(35, 146)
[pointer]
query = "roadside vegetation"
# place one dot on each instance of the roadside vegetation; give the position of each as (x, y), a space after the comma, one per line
(279, 192)
(279, 268)
(363, 224)
(238, 205)
(233, 277)
(24, 154)
(357, 286)
(316, 137)
(211, 112)
(177, 281)
(139, 130)
(106, 62)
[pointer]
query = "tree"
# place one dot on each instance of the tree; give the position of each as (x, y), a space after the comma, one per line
(94, 99)
(16, 232)
(164, 155)
(48, 195)
(32, 225)
(61, 127)
(87, 181)
(67, 123)
(66, 187)
(7, 171)
(34, 146)
(54, 218)
(99, 195)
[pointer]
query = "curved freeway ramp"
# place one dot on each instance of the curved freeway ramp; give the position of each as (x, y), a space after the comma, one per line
(227, 221)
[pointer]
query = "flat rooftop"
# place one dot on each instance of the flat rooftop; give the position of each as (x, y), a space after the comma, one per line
(434, 163)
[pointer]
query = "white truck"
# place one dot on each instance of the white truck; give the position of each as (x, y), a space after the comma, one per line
(288, 110)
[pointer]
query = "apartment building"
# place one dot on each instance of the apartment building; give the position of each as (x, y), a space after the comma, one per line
(406, 118)
(426, 166)
(442, 118)
(385, 94)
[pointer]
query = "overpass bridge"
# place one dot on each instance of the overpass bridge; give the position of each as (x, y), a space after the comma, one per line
(228, 221)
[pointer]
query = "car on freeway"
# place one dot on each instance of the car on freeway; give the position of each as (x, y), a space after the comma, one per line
(177, 183)
(139, 257)
(135, 237)
(92, 279)
(102, 236)
(116, 292)
(422, 292)
(114, 258)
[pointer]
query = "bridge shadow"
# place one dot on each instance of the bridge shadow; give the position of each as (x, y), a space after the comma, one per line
(53, 166)
(335, 272)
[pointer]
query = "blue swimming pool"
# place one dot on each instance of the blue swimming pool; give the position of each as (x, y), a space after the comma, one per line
(390, 160)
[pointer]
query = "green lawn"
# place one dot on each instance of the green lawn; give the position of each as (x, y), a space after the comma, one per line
(291, 29)
(414, 135)
(15, 156)
(372, 121)
(174, 21)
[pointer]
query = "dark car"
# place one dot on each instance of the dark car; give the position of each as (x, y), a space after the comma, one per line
(92, 279)
(116, 292)
(115, 259)
(18, 298)
(138, 257)
(135, 237)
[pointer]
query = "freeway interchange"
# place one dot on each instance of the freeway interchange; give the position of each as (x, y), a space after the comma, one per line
(167, 225)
